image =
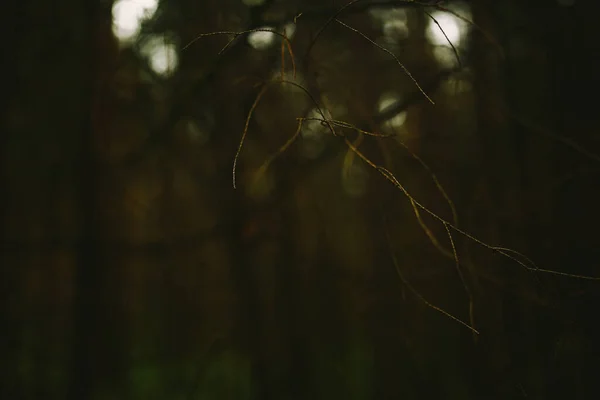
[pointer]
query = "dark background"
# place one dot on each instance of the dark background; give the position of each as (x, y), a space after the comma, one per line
(131, 268)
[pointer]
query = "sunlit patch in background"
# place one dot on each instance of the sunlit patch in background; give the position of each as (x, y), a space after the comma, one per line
(393, 23)
(313, 134)
(385, 103)
(161, 54)
(395, 30)
(449, 25)
(381, 15)
(128, 16)
(197, 132)
(457, 85)
(451, 29)
(290, 30)
(262, 39)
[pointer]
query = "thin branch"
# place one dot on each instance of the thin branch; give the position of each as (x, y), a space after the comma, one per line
(428, 232)
(536, 128)
(435, 181)
(462, 278)
(350, 156)
(490, 38)
(500, 250)
(406, 71)
(255, 104)
(415, 292)
(245, 131)
(447, 38)
(282, 149)
(326, 24)
(344, 124)
(235, 34)
(355, 7)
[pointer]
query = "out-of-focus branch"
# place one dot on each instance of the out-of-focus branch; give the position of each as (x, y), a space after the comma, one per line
(308, 167)
(179, 109)
(326, 12)
(259, 16)
(416, 96)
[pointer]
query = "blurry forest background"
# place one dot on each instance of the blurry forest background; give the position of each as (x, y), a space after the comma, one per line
(132, 269)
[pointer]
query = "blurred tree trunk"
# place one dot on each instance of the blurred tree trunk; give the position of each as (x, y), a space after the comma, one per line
(12, 21)
(98, 338)
(120, 278)
(497, 213)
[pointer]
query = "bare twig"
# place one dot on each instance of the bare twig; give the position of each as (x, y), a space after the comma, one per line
(415, 292)
(406, 71)
(500, 250)
(447, 38)
(235, 34)
(255, 104)
(490, 38)
(462, 279)
(536, 128)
